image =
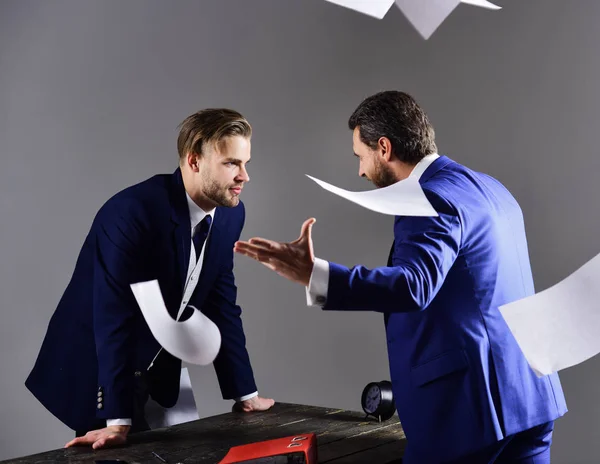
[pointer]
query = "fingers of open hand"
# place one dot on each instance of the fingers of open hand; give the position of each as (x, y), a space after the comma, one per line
(265, 403)
(283, 258)
(88, 439)
(109, 440)
(263, 243)
(257, 404)
(75, 442)
(100, 443)
(98, 439)
(265, 257)
(263, 250)
(253, 250)
(246, 251)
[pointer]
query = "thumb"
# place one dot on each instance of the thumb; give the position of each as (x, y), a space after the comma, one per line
(306, 231)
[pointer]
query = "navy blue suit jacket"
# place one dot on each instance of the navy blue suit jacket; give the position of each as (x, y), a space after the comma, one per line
(97, 338)
(460, 380)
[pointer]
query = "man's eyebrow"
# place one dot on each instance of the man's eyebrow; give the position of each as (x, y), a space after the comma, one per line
(234, 160)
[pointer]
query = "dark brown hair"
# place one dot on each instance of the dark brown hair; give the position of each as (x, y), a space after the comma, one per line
(397, 116)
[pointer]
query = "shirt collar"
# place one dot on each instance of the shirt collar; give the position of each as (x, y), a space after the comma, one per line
(422, 165)
(197, 213)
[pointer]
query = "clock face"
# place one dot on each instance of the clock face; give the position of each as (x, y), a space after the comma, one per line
(372, 399)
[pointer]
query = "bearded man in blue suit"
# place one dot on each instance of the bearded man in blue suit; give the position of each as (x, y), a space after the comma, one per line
(99, 362)
(463, 389)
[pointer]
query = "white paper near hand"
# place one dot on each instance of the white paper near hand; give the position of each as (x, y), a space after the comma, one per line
(195, 341)
(404, 198)
(559, 327)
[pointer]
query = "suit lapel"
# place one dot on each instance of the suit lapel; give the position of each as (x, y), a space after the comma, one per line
(182, 231)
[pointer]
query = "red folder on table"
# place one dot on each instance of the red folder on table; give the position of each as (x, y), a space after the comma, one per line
(296, 449)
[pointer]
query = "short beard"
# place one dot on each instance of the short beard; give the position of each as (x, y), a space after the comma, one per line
(383, 176)
(219, 195)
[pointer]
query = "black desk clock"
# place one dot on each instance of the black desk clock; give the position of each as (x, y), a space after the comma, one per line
(378, 400)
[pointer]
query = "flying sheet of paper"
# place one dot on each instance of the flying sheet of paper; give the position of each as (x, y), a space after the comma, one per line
(482, 4)
(185, 409)
(559, 327)
(404, 198)
(195, 341)
(375, 8)
(425, 15)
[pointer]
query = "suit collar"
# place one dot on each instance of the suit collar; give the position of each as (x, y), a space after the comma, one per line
(422, 165)
(197, 214)
(179, 209)
(434, 167)
(182, 231)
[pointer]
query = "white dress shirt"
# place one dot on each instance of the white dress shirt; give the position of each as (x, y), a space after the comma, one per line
(197, 214)
(316, 292)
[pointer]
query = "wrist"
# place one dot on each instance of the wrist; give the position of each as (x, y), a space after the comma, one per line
(308, 273)
(121, 429)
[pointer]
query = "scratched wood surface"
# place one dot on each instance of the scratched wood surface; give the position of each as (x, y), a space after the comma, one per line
(343, 437)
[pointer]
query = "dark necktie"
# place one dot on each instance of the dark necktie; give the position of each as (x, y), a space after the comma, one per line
(201, 234)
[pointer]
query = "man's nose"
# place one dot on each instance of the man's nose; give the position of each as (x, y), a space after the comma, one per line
(243, 175)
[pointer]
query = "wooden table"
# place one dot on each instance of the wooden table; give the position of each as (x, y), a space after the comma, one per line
(343, 437)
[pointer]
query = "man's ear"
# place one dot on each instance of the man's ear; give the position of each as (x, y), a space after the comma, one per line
(385, 148)
(193, 161)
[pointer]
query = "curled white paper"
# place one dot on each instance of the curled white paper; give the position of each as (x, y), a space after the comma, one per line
(195, 341)
(559, 327)
(404, 198)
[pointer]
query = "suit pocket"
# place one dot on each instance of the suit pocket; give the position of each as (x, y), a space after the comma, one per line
(441, 366)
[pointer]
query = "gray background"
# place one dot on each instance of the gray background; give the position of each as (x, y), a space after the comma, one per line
(90, 96)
